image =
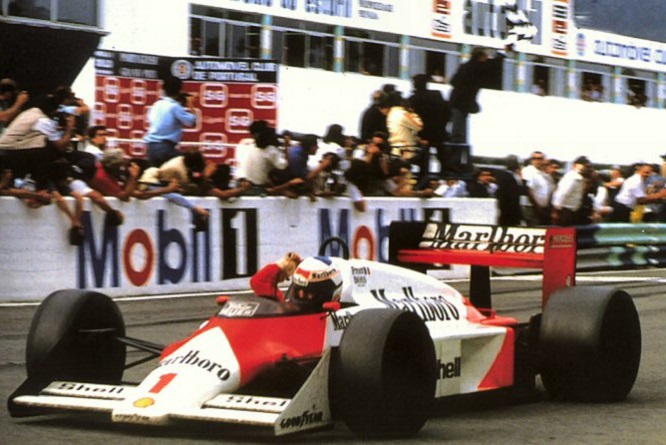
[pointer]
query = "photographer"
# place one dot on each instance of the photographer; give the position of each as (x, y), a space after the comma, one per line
(33, 141)
(167, 117)
(11, 102)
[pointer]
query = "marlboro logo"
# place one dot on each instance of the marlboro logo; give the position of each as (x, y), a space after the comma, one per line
(483, 238)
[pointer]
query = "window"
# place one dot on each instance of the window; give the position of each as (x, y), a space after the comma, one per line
(211, 39)
(81, 12)
(321, 52)
(294, 49)
(33, 9)
(436, 66)
(365, 54)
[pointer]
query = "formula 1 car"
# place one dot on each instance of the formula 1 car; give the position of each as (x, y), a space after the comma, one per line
(375, 345)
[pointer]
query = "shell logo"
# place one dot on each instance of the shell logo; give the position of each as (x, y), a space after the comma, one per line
(144, 402)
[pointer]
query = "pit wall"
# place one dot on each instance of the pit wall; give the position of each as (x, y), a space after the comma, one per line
(156, 250)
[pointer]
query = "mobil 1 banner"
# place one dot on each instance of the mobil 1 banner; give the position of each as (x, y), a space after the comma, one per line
(228, 94)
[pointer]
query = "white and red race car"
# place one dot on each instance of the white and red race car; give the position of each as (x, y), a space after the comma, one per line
(376, 351)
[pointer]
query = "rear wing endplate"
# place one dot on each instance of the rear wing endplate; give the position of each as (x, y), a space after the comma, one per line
(552, 250)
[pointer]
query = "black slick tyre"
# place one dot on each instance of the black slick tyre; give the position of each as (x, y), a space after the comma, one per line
(385, 374)
(590, 344)
(73, 336)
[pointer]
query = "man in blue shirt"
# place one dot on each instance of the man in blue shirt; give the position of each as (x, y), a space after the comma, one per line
(167, 117)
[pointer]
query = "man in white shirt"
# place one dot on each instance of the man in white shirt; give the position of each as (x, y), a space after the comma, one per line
(539, 187)
(569, 194)
(633, 193)
(96, 143)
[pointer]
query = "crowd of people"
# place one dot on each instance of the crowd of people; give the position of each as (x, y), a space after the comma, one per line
(41, 164)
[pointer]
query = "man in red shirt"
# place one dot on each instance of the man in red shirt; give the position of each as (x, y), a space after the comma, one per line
(265, 282)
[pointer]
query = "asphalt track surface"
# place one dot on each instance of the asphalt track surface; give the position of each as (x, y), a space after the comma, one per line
(531, 419)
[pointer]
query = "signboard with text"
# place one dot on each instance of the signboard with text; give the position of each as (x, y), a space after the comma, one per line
(228, 95)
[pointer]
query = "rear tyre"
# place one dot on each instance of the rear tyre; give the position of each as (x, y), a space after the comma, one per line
(73, 336)
(590, 344)
(385, 374)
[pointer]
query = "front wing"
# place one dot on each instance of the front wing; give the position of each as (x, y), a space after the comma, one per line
(308, 409)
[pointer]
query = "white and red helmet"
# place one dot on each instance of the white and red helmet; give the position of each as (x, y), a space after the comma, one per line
(316, 281)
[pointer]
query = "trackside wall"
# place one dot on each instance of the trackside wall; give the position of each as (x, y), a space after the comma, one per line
(156, 251)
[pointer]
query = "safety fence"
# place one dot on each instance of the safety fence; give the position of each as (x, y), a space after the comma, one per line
(620, 246)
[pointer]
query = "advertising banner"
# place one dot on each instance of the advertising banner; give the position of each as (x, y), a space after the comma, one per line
(535, 26)
(228, 95)
(612, 49)
(157, 251)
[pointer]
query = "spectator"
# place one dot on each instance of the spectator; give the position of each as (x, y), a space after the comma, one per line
(169, 181)
(219, 182)
(72, 105)
(449, 188)
(368, 171)
(11, 102)
(553, 169)
(33, 198)
(32, 142)
(633, 193)
(569, 194)
(434, 111)
(614, 182)
(539, 187)
(468, 80)
(586, 90)
(333, 142)
(539, 88)
(63, 183)
(483, 184)
(403, 128)
(374, 173)
(114, 177)
(167, 117)
(96, 142)
(599, 198)
(299, 156)
(259, 159)
(510, 188)
(331, 158)
(373, 118)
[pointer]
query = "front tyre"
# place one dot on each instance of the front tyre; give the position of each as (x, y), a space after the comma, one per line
(590, 344)
(73, 336)
(385, 374)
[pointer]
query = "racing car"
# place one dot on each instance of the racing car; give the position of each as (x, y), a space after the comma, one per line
(369, 343)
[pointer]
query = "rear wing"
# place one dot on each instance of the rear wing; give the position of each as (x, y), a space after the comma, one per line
(552, 250)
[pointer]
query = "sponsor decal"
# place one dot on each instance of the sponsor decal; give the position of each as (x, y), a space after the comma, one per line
(429, 308)
(449, 370)
(239, 309)
(561, 241)
(560, 24)
(76, 389)
(241, 401)
(340, 322)
(500, 19)
(307, 418)
(441, 23)
(132, 418)
(107, 255)
(360, 275)
(144, 402)
(191, 358)
(182, 69)
(483, 238)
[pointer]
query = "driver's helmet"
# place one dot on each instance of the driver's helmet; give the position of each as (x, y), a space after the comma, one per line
(316, 281)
